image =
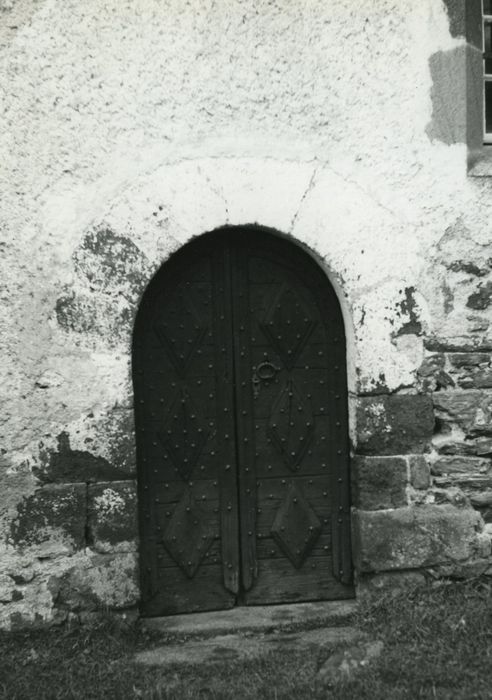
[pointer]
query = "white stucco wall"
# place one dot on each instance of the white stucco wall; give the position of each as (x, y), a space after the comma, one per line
(159, 121)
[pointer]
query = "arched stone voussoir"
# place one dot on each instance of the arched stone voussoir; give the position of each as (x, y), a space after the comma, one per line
(168, 206)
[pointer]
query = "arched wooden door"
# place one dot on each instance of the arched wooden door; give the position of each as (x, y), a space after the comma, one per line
(241, 423)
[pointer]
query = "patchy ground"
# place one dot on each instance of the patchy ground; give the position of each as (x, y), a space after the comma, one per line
(437, 644)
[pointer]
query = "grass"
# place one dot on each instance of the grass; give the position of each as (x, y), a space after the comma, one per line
(438, 644)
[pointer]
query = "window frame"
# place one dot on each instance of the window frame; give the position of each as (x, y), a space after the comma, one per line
(487, 77)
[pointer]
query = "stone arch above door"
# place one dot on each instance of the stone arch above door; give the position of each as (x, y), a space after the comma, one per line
(242, 428)
(365, 251)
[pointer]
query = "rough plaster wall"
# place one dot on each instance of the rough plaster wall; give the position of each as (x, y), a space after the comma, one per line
(129, 127)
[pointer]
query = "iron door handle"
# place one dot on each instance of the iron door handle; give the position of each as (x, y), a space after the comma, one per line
(264, 372)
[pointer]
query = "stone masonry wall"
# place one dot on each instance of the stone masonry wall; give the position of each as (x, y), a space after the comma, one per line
(131, 126)
(421, 491)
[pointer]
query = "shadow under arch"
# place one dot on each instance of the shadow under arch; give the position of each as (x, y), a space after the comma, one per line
(241, 414)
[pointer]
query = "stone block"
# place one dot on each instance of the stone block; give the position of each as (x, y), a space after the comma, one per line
(106, 580)
(379, 482)
(419, 472)
(470, 410)
(481, 298)
(468, 473)
(458, 343)
(482, 446)
(432, 365)
(414, 537)
(482, 499)
(461, 465)
(484, 510)
(478, 379)
(432, 375)
(68, 465)
(449, 494)
(450, 444)
(471, 370)
(396, 424)
(108, 452)
(482, 378)
(52, 520)
(457, 406)
(469, 360)
(113, 516)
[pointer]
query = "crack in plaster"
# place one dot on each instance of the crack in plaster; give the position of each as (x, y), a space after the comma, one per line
(301, 201)
(372, 197)
(216, 189)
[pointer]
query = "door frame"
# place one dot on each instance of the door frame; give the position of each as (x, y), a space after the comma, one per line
(183, 251)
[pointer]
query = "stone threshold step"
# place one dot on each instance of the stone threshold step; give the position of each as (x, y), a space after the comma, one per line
(255, 618)
(249, 645)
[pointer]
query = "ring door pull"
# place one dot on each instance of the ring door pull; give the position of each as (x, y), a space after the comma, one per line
(264, 372)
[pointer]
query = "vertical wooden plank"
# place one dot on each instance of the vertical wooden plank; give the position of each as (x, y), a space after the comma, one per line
(146, 514)
(224, 386)
(342, 563)
(244, 413)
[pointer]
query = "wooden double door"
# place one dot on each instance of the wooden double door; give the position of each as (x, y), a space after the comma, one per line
(241, 422)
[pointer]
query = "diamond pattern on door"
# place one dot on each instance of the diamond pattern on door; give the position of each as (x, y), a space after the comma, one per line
(189, 534)
(288, 325)
(184, 435)
(180, 329)
(296, 526)
(291, 425)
